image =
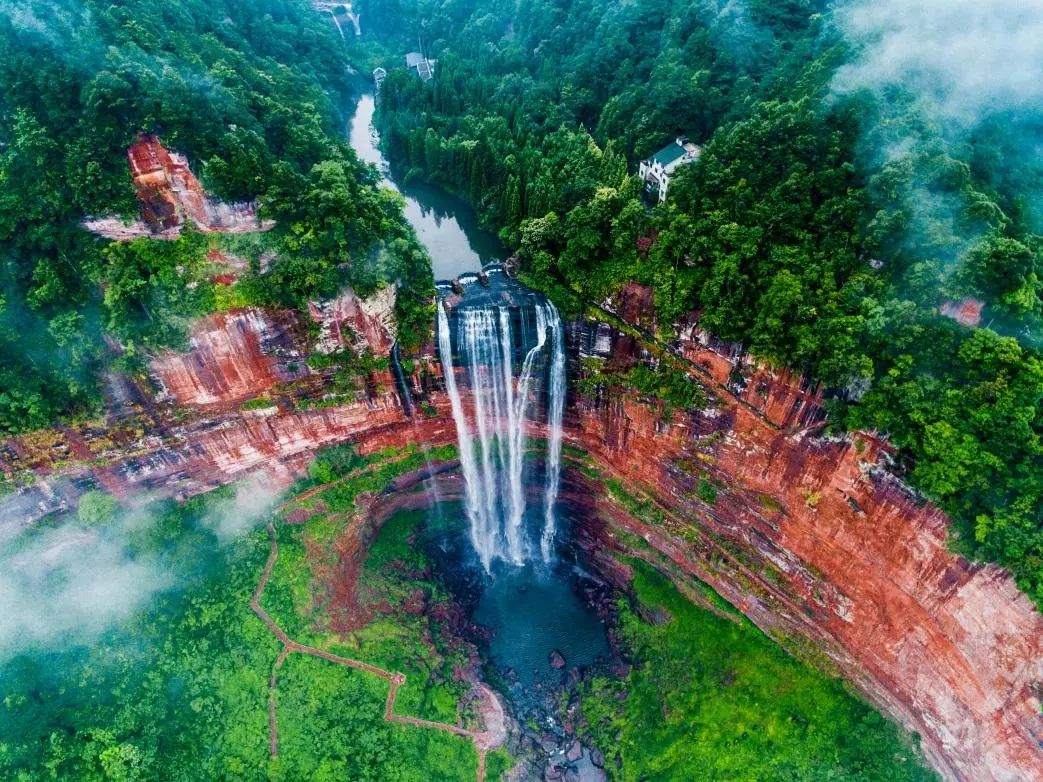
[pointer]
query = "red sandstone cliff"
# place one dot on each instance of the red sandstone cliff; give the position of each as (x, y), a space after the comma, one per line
(357, 324)
(170, 195)
(240, 354)
(807, 537)
(952, 649)
(233, 356)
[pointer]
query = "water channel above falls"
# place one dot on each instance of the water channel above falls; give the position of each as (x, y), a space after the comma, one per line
(445, 224)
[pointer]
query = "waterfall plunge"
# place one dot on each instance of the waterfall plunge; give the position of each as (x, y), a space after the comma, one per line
(492, 438)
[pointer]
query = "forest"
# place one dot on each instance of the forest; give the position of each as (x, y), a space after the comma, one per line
(791, 234)
(822, 228)
(254, 93)
(827, 226)
(175, 688)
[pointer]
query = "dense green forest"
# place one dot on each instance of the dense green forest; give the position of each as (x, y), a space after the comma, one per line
(177, 688)
(252, 92)
(821, 229)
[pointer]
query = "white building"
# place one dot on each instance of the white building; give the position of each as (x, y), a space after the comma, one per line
(657, 171)
(425, 68)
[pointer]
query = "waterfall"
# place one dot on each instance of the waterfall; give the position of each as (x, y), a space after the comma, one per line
(492, 434)
(555, 408)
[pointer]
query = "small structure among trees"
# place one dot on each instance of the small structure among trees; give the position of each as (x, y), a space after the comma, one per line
(425, 68)
(657, 171)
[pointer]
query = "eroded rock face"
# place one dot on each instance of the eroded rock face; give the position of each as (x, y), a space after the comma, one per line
(171, 196)
(966, 312)
(357, 324)
(166, 187)
(808, 536)
(233, 356)
(953, 649)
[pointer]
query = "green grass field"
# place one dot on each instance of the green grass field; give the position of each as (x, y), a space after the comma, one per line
(711, 699)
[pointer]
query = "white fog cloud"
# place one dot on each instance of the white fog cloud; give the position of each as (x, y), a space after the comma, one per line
(72, 583)
(964, 59)
(254, 500)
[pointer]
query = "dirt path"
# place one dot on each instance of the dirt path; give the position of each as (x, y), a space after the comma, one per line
(484, 740)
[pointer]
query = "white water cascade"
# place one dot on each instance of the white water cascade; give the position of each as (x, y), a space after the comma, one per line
(504, 396)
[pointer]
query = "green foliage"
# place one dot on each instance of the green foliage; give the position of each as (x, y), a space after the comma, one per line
(715, 699)
(537, 109)
(96, 508)
(152, 289)
(190, 671)
(333, 462)
(246, 90)
(706, 492)
(379, 627)
(258, 403)
(667, 383)
(334, 729)
(178, 691)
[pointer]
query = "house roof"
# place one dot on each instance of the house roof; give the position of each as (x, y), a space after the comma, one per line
(413, 59)
(669, 154)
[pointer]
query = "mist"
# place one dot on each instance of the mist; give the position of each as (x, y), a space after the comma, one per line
(69, 584)
(963, 59)
(955, 77)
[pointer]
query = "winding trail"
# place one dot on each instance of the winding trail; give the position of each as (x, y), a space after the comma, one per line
(484, 740)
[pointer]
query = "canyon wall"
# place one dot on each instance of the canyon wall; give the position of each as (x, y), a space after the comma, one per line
(809, 536)
(809, 539)
(355, 323)
(233, 356)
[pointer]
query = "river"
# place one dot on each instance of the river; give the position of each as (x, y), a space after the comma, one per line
(532, 611)
(446, 225)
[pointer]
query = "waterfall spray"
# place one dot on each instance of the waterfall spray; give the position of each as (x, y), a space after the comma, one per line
(480, 537)
(492, 439)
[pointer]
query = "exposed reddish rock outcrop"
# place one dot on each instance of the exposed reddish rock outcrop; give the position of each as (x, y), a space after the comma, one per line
(167, 189)
(787, 399)
(234, 355)
(171, 195)
(357, 324)
(636, 305)
(807, 536)
(966, 311)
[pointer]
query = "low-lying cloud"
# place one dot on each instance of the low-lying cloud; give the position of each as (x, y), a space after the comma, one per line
(955, 79)
(254, 500)
(72, 583)
(964, 59)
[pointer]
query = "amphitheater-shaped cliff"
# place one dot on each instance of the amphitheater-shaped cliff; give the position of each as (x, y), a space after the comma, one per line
(809, 536)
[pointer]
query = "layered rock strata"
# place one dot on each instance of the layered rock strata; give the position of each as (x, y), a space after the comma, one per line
(170, 196)
(808, 536)
(233, 356)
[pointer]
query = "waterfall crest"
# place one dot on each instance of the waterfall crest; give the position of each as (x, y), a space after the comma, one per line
(514, 372)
